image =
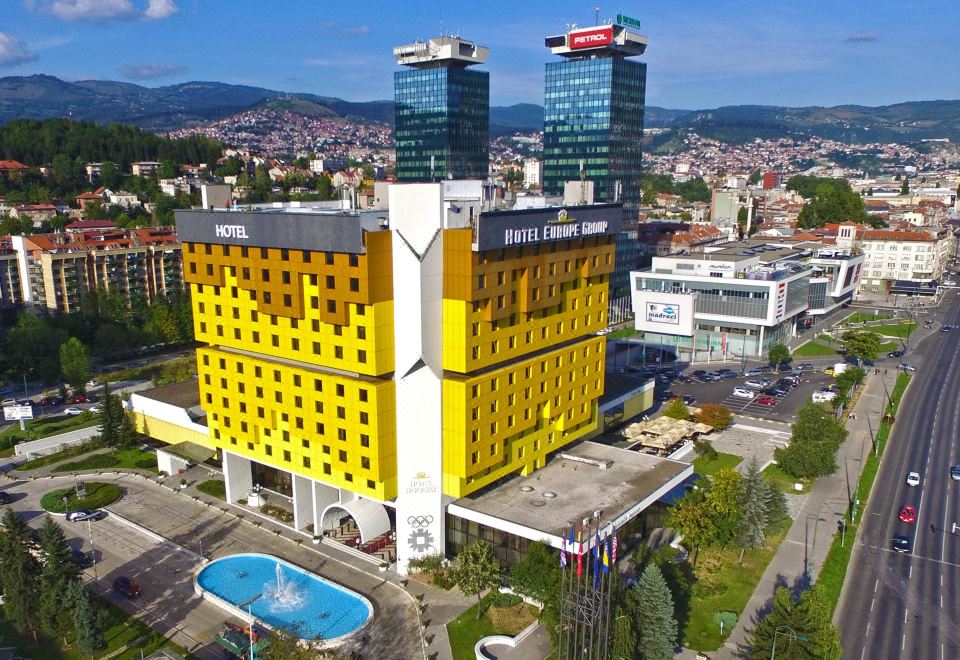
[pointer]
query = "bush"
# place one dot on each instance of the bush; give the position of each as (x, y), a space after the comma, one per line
(677, 409)
(98, 495)
(500, 599)
(716, 415)
(705, 449)
(215, 488)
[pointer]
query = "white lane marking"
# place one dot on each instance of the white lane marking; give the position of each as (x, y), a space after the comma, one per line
(872, 601)
(863, 652)
(903, 643)
(868, 629)
(941, 600)
(906, 614)
(910, 575)
(877, 584)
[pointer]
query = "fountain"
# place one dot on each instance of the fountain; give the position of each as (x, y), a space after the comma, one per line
(284, 596)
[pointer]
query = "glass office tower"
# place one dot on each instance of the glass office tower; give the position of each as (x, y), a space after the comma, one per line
(442, 111)
(593, 131)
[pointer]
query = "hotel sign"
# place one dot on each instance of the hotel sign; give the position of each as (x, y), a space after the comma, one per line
(601, 36)
(663, 313)
(502, 229)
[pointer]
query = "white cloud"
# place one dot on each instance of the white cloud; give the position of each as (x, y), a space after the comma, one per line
(148, 71)
(102, 10)
(13, 51)
(356, 31)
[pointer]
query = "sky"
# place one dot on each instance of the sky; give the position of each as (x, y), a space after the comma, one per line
(701, 53)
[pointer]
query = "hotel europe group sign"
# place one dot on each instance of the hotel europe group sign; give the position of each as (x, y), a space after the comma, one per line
(502, 229)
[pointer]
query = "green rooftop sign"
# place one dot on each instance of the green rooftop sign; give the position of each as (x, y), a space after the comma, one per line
(627, 21)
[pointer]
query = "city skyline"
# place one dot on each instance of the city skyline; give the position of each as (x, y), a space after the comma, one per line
(707, 56)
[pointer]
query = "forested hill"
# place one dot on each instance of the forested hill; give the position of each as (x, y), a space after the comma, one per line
(36, 143)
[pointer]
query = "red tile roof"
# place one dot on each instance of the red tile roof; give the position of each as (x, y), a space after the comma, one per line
(92, 224)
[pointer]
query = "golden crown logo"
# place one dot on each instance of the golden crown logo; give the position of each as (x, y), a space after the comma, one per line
(421, 475)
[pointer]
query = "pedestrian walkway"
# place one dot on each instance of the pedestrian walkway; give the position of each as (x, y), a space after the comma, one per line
(802, 553)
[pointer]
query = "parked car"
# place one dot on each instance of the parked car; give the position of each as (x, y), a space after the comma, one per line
(93, 383)
(46, 401)
(806, 365)
(85, 514)
(73, 410)
(127, 587)
(743, 393)
(907, 514)
(754, 372)
(689, 399)
(901, 543)
(699, 373)
(913, 479)
(4, 498)
(828, 371)
(955, 473)
(727, 374)
(785, 367)
(709, 378)
(78, 398)
(757, 384)
(823, 396)
(766, 400)
(895, 354)
(8, 402)
(907, 367)
(779, 390)
(769, 391)
(94, 409)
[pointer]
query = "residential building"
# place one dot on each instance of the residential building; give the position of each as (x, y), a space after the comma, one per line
(36, 213)
(144, 168)
(8, 167)
(532, 173)
(900, 261)
(57, 269)
(388, 372)
(442, 115)
(10, 289)
(593, 129)
(726, 303)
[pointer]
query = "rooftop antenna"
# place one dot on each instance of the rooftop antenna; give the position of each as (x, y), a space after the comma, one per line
(596, 15)
(441, 22)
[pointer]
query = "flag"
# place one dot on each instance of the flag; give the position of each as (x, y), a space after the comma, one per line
(613, 552)
(596, 560)
(563, 549)
(579, 551)
(605, 555)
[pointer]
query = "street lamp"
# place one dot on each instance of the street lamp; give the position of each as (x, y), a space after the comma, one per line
(786, 630)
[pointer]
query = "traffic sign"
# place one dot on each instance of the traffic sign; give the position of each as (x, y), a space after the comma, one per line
(17, 412)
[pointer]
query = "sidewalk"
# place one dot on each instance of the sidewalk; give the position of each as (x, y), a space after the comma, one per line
(799, 559)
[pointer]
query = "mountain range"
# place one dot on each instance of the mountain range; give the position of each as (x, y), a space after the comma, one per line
(176, 106)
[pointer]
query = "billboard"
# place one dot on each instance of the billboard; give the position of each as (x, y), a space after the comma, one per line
(11, 413)
(663, 313)
(501, 229)
(327, 232)
(599, 36)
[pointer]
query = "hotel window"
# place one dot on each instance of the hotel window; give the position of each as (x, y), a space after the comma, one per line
(331, 282)
(329, 258)
(354, 284)
(287, 300)
(338, 330)
(326, 468)
(305, 443)
(338, 352)
(267, 298)
(365, 462)
(362, 357)
(315, 325)
(306, 461)
(363, 394)
(361, 332)
(314, 302)
(318, 407)
(354, 260)
(313, 279)
(286, 455)
(361, 309)
(341, 412)
(285, 277)
(320, 428)
(316, 349)
(317, 385)
(268, 449)
(265, 274)
(332, 306)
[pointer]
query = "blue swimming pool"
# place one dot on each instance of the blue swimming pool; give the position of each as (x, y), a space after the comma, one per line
(284, 596)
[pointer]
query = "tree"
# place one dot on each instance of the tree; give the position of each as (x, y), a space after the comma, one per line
(58, 570)
(110, 418)
(905, 186)
(127, 435)
(75, 363)
(537, 575)
(742, 216)
(775, 503)
(478, 571)
(85, 621)
(808, 617)
(690, 516)
(812, 451)
(623, 645)
(286, 644)
(861, 344)
(679, 578)
(779, 353)
(676, 409)
(723, 505)
(716, 415)
(753, 504)
(18, 573)
(850, 378)
(652, 607)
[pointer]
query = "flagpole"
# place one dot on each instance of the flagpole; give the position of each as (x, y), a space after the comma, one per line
(613, 573)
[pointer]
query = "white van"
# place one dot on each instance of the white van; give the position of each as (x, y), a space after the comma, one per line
(823, 396)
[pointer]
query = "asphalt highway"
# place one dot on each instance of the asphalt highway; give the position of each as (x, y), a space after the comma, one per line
(907, 605)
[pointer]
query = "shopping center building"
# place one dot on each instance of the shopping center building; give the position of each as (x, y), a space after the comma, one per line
(415, 379)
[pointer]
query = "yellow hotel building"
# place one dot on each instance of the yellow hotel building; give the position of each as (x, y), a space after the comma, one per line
(378, 367)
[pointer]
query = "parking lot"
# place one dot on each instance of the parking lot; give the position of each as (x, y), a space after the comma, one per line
(783, 408)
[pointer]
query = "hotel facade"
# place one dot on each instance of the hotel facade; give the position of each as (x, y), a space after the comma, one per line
(388, 370)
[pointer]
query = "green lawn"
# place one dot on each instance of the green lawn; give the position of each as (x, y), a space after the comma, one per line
(834, 568)
(707, 467)
(784, 480)
(56, 457)
(902, 329)
(213, 488)
(42, 428)
(886, 347)
(865, 317)
(466, 630)
(98, 495)
(723, 585)
(118, 459)
(814, 349)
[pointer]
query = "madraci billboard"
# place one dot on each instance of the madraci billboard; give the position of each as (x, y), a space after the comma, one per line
(663, 313)
(591, 38)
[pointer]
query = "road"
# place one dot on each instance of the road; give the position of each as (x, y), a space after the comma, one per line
(907, 605)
